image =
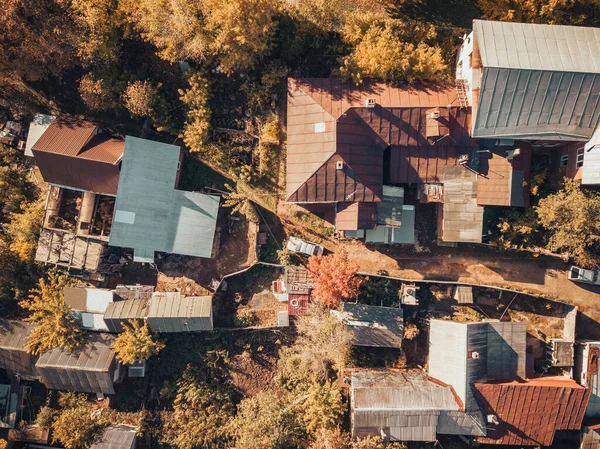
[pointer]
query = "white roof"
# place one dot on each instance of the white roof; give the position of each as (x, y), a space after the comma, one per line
(38, 126)
(538, 47)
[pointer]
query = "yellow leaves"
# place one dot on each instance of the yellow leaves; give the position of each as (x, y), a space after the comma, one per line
(140, 97)
(23, 230)
(136, 343)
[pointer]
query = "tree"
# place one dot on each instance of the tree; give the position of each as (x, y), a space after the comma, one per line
(323, 407)
(74, 427)
(195, 131)
(237, 199)
(334, 278)
(23, 230)
(380, 52)
(520, 229)
(15, 188)
(571, 217)
(55, 327)
(96, 93)
(376, 443)
(331, 439)
(203, 406)
(323, 343)
(140, 98)
(97, 30)
(268, 420)
(136, 343)
(411, 331)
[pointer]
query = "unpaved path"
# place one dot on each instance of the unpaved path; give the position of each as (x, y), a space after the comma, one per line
(542, 276)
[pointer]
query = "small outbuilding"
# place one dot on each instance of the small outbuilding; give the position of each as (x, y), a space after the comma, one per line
(116, 436)
(171, 312)
(88, 305)
(13, 355)
(373, 326)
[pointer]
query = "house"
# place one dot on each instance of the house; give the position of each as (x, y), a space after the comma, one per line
(531, 81)
(485, 363)
(407, 406)
(116, 436)
(373, 326)
(586, 373)
(151, 215)
(91, 368)
(346, 142)
(88, 305)
(164, 312)
(13, 354)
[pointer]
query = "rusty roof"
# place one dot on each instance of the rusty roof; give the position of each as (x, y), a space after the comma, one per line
(336, 144)
(529, 413)
(66, 136)
(354, 216)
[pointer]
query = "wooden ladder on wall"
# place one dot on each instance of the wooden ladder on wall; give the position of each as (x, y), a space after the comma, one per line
(461, 93)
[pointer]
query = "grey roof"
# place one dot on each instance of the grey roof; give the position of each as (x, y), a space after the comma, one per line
(116, 436)
(406, 405)
(374, 326)
(462, 216)
(527, 104)
(120, 311)
(538, 47)
(389, 210)
(171, 312)
(37, 127)
(456, 422)
(89, 368)
(500, 354)
(150, 215)
(134, 291)
(405, 233)
(13, 355)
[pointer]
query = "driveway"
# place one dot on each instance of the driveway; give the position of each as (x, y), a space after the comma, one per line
(539, 276)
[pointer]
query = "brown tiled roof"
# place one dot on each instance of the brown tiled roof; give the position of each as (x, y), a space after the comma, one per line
(328, 124)
(529, 413)
(354, 216)
(502, 182)
(70, 153)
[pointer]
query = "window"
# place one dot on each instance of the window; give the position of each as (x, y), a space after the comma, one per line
(564, 160)
(580, 152)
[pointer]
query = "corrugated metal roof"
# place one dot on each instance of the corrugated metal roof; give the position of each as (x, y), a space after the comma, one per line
(328, 125)
(500, 349)
(531, 412)
(13, 355)
(538, 47)
(150, 215)
(66, 136)
(170, 312)
(547, 105)
(121, 311)
(454, 422)
(464, 294)
(69, 250)
(504, 182)
(404, 405)
(462, 219)
(381, 327)
(410, 164)
(116, 436)
(134, 291)
(353, 216)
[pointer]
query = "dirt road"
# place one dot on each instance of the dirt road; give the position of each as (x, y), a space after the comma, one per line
(539, 276)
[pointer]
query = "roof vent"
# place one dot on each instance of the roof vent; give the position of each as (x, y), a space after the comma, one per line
(434, 114)
(319, 127)
(370, 103)
(339, 165)
(474, 355)
(492, 419)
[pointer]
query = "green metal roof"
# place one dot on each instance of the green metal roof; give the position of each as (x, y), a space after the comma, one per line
(150, 214)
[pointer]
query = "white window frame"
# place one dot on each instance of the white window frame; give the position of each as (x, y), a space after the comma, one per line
(579, 161)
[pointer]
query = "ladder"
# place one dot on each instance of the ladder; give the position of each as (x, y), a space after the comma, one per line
(461, 93)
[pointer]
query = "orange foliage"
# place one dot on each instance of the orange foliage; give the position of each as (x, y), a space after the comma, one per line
(334, 278)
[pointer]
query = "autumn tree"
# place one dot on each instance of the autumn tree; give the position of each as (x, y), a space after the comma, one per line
(322, 345)
(571, 217)
(334, 278)
(331, 439)
(23, 230)
(203, 405)
(55, 327)
(140, 98)
(15, 187)
(238, 200)
(96, 93)
(384, 50)
(195, 131)
(74, 427)
(561, 12)
(136, 343)
(323, 407)
(97, 30)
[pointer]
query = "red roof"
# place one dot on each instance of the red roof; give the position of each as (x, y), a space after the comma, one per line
(336, 144)
(529, 413)
(298, 305)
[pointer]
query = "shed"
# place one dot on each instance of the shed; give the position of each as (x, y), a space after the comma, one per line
(151, 215)
(398, 405)
(91, 368)
(121, 311)
(13, 355)
(374, 326)
(171, 312)
(464, 294)
(297, 280)
(116, 436)
(88, 305)
(37, 127)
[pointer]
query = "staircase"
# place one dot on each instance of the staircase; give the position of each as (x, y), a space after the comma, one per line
(461, 92)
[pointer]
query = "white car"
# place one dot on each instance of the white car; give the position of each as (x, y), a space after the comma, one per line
(583, 275)
(300, 246)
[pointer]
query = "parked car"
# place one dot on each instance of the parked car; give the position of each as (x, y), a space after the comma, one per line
(584, 275)
(300, 246)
